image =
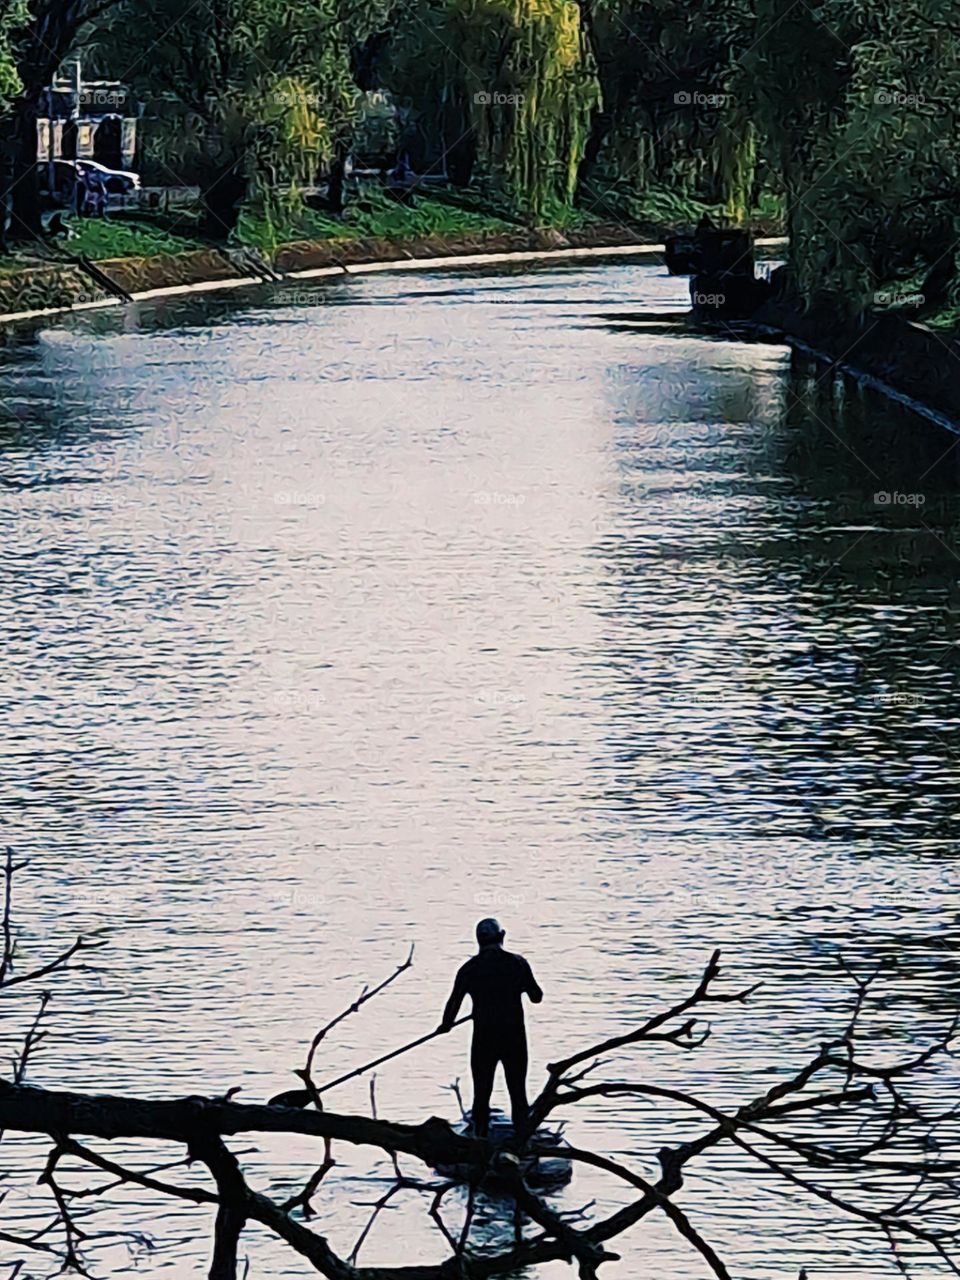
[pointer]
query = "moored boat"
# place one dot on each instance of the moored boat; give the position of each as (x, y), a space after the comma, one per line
(723, 278)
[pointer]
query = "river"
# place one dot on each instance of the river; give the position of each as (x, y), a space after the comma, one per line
(337, 616)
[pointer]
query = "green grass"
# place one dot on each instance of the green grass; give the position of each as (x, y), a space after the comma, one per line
(371, 215)
(655, 207)
(658, 208)
(126, 237)
(376, 215)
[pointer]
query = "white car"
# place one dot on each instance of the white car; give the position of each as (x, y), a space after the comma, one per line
(116, 182)
(69, 173)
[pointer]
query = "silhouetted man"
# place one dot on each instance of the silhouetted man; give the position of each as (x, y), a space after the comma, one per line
(495, 980)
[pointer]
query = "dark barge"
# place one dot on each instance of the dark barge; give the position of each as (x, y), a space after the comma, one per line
(721, 264)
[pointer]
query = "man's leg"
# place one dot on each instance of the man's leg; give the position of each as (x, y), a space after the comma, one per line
(483, 1063)
(515, 1069)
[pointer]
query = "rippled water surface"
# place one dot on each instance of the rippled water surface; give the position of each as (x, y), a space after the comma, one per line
(334, 618)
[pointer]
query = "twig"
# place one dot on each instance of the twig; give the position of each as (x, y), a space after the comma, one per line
(366, 994)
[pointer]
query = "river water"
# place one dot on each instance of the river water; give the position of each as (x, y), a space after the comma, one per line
(336, 617)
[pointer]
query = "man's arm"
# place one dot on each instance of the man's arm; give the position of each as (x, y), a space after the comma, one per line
(452, 1007)
(530, 984)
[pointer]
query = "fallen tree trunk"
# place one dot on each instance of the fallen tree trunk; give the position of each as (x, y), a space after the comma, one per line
(30, 1110)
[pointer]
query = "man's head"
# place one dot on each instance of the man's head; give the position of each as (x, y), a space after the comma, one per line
(489, 933)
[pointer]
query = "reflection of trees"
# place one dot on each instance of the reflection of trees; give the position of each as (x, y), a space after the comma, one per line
(782, 647)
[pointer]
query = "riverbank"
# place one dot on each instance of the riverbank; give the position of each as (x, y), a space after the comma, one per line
(49, 288)
(903, 358)
(149, 252)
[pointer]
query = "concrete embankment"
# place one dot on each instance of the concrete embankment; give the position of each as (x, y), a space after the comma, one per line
(895, 355)
(51, 287)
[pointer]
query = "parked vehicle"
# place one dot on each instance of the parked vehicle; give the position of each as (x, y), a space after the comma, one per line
(74, 180)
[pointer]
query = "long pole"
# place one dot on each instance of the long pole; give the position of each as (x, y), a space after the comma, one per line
(302, 1097)
(395, 1053)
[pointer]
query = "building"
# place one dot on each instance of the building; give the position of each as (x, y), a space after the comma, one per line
(88, 120)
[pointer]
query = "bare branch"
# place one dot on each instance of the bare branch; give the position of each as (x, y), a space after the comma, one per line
(910, 1185)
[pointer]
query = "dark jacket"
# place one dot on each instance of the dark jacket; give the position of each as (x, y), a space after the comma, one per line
(495, 980)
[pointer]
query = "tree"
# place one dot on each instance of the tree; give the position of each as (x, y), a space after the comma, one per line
(858, 104)
(39, 34)
(507, 85)
(264, 86)
(878, 1134)
(673, 113)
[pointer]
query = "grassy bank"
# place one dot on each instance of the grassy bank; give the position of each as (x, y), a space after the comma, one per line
(371, 215)
(142, 235)
(56, 282)
(143, 252)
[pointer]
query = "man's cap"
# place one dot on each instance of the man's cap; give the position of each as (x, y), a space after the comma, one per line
(489, 930)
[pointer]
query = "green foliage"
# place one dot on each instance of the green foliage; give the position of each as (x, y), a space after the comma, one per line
(262, 88)
(676, 110)
(858, 102)
(946, 320)
(374, 216)
(538, 139)
(516, 78)
(845, 112)
(506, 91)
(13, 18)
(119, 238)
(659, 206)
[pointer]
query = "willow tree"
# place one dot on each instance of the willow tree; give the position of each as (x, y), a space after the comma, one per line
(507, 86)
(859, 104)
(534, 86)
(674, 113)
(13, 15)
(263, 86)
